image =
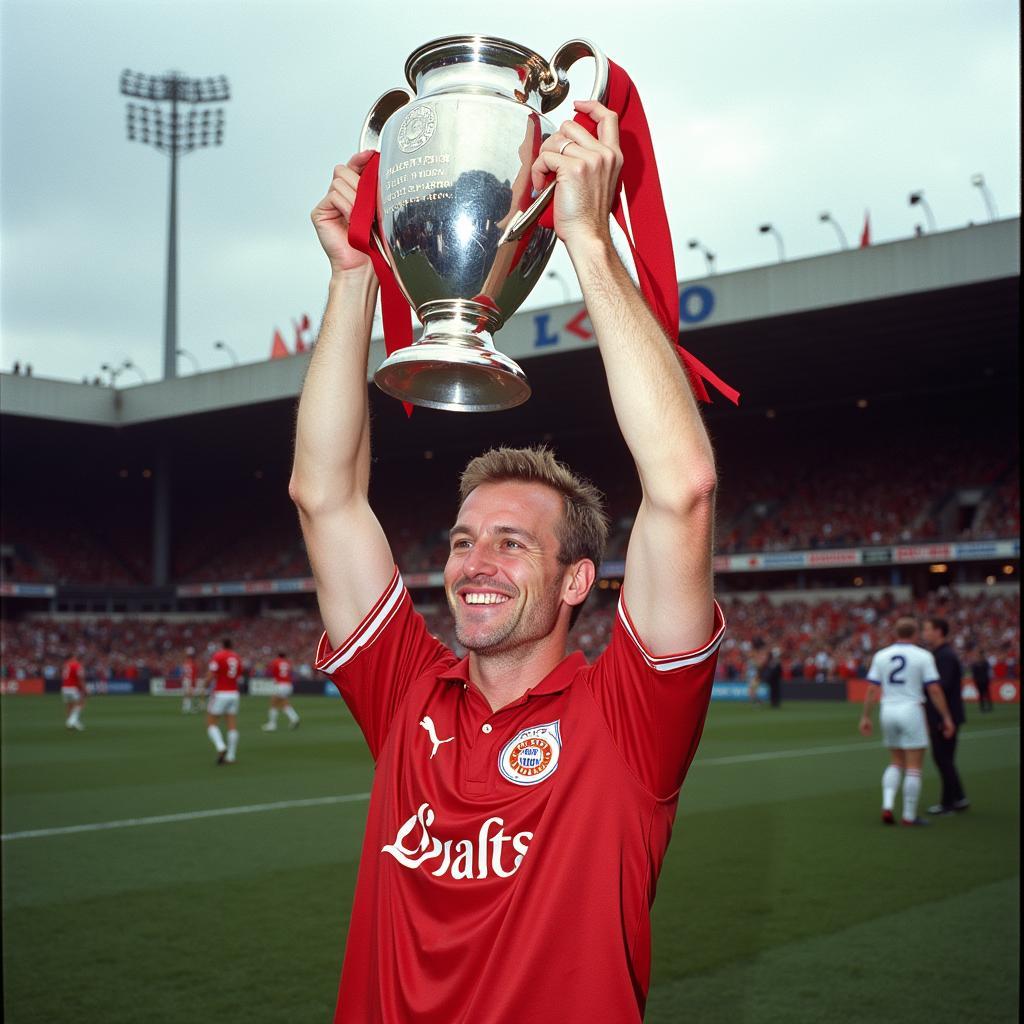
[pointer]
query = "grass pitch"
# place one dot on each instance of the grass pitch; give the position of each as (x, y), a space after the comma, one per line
(782, 898)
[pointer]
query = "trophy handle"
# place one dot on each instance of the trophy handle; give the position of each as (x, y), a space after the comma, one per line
(386, 105)
(554, 90)
(369, 137)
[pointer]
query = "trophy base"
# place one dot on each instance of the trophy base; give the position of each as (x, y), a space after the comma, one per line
(455, 368)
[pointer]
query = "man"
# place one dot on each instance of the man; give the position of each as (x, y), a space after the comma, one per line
(281, 673)
(522, 800)
(934, 634)
(772, 671)
(982, 676)
(72, 691)
(223, 674)
(189, 680)
(905, 674)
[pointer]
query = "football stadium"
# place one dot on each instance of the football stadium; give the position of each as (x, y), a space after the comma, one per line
(871, 472)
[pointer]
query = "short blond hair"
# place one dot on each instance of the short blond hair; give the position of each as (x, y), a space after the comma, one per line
(583, 529)
(906, 627)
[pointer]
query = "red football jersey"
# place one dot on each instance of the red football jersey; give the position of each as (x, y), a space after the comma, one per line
(510, 857)
(190, 671)
(225, 667)
(281, 670)
(73, 673)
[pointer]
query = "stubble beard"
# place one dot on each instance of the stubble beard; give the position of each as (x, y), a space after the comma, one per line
(531, 623)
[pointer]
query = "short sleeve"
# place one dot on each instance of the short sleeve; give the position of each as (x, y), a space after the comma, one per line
(875, 672)
(931, 669)
(383, 656)
(655, 706)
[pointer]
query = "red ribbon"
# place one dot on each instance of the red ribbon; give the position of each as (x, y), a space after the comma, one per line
(650, 240)
(395, 310)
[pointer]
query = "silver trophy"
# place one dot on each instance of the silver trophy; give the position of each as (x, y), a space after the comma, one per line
(456, 210)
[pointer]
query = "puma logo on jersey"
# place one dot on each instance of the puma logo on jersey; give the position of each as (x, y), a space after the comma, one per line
(428, 724)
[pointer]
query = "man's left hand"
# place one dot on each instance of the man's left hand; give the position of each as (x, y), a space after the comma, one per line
(586, 174)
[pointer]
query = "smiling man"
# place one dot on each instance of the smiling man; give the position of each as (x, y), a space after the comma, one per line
(523, 800)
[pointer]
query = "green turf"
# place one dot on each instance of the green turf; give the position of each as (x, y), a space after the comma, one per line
(782, 898)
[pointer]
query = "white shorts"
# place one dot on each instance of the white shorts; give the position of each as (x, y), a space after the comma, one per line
(283, 689)
(903, 726)
(223, 702)
(71, 694)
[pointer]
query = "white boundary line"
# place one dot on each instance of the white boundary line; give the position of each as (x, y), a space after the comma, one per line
(164, 819)
(865, 744)
(322, 801)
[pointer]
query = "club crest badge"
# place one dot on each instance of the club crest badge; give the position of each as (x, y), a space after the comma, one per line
(531, 755)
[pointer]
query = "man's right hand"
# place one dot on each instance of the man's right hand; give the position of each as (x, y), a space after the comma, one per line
(331, 216)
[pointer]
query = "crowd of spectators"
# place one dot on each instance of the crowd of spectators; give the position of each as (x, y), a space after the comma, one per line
(826, 639)
(792, 504)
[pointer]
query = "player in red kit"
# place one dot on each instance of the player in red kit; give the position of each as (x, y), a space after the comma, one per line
(280, 670)
(189, 681)
(223, 675)
(72, 691)
(522, 800)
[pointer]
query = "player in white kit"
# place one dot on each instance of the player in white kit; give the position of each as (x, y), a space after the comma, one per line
(904, 675)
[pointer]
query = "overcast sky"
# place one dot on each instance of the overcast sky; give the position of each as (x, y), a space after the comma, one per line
(761, 110)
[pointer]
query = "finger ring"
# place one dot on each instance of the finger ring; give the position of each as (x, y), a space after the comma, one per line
(565, 145)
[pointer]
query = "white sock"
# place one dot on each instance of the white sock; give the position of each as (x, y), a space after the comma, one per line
(293, 715)
(213, 731)
(186, 704)
(272, 718)
(911, 793)
(232, 743)
(73, 717)
(890, 783)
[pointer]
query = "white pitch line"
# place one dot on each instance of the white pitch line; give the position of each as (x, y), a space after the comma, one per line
(165, 819)
(320, 801)
(866, 744)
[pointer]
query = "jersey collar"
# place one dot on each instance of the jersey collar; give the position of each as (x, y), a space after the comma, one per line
(558, 679)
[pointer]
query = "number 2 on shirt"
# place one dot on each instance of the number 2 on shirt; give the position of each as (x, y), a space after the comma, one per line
(895, 674)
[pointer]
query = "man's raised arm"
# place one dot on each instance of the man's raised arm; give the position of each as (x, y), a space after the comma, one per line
(668, 578)
(347, 549)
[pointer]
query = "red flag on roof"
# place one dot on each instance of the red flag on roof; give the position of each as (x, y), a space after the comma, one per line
(279, 349)
(865, 235)
(300, 329)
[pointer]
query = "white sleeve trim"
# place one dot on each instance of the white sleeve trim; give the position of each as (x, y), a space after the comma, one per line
(365, 633)
(671, 662)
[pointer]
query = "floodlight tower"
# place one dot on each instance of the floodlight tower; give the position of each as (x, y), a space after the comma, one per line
(175, 133)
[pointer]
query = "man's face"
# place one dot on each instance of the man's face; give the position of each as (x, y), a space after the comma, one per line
(503, 579)
(930, 635)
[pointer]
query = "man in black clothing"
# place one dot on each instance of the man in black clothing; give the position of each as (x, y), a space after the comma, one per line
(771, 673)
(934, 634)
(980, 675)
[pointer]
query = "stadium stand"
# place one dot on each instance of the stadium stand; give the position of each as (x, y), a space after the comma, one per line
(901, 489)
(879, 411)
(821, 640)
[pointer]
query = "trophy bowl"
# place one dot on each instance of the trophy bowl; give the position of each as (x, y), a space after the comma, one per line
(457, 218)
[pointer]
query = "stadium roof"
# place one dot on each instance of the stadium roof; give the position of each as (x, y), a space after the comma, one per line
(924, 315)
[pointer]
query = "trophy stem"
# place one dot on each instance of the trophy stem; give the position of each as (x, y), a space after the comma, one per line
(453, 366)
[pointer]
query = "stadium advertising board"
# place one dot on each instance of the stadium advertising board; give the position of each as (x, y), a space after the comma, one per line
(22, 687)
(770, 561)
(737, 691)
(233, 588)
(1002, 691)
(27, 590)
(115, 687)
(569, 327)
